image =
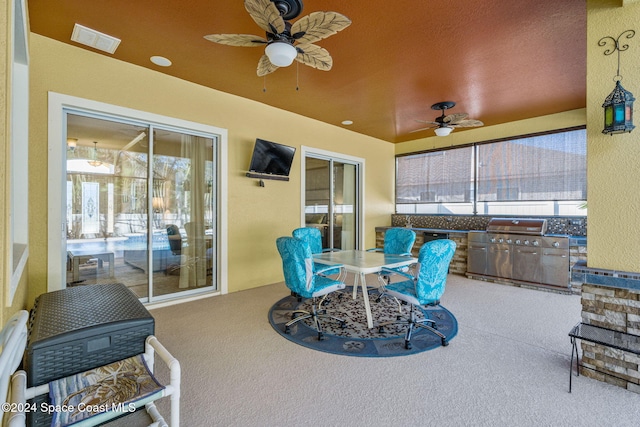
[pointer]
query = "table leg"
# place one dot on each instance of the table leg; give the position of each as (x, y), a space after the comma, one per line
(111, 266)
(76, 268)
(365, 296)
(355, 285)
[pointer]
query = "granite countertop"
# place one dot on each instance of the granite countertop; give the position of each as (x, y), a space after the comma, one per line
(428, 230)
(573, 240)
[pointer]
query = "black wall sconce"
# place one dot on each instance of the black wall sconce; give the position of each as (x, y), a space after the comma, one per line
(618, 106)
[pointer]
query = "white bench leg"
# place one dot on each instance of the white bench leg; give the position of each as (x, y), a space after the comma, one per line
(158, 420)
(152, 345)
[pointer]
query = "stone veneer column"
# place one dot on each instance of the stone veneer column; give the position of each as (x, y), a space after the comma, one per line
(617, 309)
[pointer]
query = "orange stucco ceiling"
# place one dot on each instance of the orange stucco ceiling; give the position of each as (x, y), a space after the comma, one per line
(499, 60)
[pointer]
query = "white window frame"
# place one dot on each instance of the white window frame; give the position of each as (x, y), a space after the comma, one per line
(18, 164)
(344, 158)
(59, 104)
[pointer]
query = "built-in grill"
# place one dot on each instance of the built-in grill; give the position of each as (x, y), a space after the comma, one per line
(519, 250)
(528, 226)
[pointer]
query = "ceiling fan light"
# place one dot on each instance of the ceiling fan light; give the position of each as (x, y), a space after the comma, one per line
(281, 54)
(443, 131)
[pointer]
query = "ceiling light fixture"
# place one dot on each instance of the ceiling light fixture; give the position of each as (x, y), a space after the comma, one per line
(618, 106)
(281, 54)
(160, 61)
(444, 125)
(347, 122)
(72, 143)
(94, 159)
(443, 131)
(274, 17)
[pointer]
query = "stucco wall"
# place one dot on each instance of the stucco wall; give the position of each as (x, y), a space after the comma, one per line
(257, 216)
(613, 168)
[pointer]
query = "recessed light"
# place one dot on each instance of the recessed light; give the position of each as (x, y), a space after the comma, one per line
(161, 61)
(347, 122)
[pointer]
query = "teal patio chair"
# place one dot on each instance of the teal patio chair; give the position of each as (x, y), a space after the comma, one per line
(397, 241)
(423, 288)
(313, 237)
(305, 282)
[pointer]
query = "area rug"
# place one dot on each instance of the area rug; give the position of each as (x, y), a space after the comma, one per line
(355, 339)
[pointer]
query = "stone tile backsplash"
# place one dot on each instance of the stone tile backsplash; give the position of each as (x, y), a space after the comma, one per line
(574, 226)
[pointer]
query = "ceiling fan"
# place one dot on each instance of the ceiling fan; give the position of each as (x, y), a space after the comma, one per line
(286, 41)
(444, 125)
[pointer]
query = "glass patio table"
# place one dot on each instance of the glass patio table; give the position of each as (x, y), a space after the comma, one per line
(361, 263)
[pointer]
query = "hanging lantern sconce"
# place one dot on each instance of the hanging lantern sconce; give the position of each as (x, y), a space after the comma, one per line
(618, 106)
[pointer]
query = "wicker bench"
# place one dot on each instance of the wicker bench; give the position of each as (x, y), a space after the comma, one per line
(603, 336)
(119, 377)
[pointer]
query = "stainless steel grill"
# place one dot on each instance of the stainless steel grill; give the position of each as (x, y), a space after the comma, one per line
(529, 226)
(517, 249)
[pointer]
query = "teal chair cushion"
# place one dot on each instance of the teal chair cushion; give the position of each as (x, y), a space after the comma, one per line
(399, 241)
(312, 236)
(428, 284)
(299, 274)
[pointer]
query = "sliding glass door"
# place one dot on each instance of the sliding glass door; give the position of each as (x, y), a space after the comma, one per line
(331, 200)
(140, 206)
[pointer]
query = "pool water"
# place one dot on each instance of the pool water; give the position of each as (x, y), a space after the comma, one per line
(117, 245)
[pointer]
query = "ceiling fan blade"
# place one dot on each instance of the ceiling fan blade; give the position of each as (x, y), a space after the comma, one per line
(245, 40)
(454, 118)
(428, 122)
(265, 14)
(421, 129)
(317, 26)
(471, 123)
(265, 66)
(314, 56)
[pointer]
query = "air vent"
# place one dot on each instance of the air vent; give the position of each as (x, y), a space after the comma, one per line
(94, 39)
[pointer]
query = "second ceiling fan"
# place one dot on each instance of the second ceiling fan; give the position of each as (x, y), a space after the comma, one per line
(444, 125)
(287, 41)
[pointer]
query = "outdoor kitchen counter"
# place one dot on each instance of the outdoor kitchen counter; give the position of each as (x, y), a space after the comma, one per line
(577, 246)
(426, 230)
(577, 241)
(458, 263)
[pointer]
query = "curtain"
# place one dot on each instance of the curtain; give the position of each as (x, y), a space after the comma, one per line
(548, 167)
(444, 176)
(194, 149)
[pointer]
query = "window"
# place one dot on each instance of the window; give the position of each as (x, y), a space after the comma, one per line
(540, 174)
(121, 181)
(332, 197)
(435, 177)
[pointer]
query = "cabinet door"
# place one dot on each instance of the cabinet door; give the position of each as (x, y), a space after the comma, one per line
(477, 258)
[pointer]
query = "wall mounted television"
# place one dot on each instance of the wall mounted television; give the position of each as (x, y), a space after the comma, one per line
(271, 160)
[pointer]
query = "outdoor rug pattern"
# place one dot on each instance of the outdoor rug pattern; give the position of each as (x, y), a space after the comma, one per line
(356, 339)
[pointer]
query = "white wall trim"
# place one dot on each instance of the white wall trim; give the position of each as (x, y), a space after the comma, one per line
(17, 153)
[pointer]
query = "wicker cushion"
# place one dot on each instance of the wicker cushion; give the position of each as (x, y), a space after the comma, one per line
(103, 393)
